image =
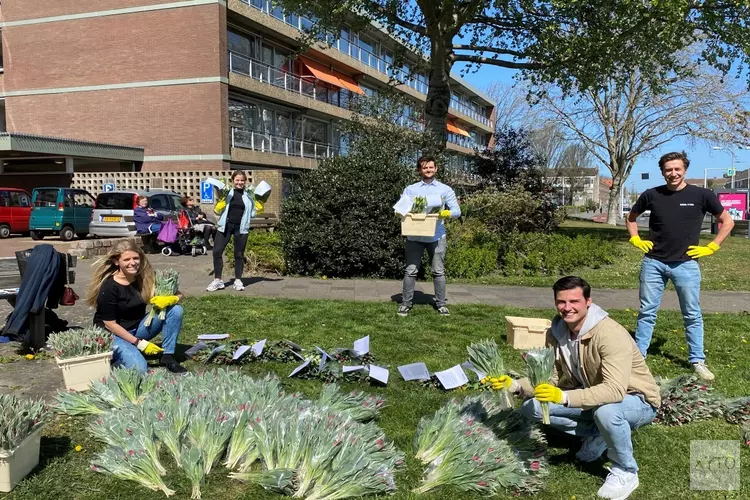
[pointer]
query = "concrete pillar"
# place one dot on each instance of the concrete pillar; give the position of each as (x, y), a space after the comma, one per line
(272, 177)
(69, 165)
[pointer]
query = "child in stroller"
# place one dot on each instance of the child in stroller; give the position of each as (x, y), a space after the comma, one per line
(179, 236)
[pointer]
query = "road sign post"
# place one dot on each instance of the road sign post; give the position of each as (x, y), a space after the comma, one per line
(109, 187)
(207, 192)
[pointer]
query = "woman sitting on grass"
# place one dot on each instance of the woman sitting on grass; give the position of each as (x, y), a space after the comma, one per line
(122, 286)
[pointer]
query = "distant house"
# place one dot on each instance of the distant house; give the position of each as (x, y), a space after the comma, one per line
(576, 186)
(605, 186)
(710, 183)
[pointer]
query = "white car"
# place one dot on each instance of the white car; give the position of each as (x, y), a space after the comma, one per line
(113, 211)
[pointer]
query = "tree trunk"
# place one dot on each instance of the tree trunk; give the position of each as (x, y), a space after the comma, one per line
(438, 94)
(613, 207)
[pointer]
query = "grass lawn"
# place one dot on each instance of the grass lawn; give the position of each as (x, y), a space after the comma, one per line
(662, 452)
(729, 269)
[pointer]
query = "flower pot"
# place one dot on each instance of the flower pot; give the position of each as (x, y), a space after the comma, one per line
(419, 224)
(79, 372)
(18, 462)
(527, 333)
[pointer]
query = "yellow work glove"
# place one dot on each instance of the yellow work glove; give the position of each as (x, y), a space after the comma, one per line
(696, 252)
(258, 207)
(548, 393)
(148, 348)
(500, 383)
(644, 245)
(164, 301)
(220, 205)
(445, 214)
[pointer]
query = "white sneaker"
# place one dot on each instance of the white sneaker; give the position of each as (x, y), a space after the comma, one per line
(215, 285)
(619, 484)
(593, 448)
(702, 371)
(238, 285)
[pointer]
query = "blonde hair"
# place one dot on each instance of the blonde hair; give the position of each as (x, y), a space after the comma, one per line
(106, 267)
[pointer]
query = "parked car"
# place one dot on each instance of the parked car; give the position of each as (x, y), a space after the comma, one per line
(113, 213)
(63, 211)
(15, 211)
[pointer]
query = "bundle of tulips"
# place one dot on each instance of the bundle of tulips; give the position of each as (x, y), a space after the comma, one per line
(480, 445)
(324, 449)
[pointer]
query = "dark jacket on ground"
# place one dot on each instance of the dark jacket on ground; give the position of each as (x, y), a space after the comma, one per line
(143, 220)
(43, 279)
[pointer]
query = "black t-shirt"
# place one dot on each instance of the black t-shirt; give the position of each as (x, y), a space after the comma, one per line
(236, 207)
(676, 219)
(120, 303)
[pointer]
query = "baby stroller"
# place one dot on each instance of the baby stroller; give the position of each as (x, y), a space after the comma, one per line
(179, 237)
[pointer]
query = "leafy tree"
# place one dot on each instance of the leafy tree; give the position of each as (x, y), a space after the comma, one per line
(512, 160)
(574, 44)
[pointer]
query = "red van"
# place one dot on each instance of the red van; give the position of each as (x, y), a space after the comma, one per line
(15, 211)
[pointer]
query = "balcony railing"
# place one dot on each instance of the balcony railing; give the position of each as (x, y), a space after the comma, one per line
(357, 51)
(289, 81)
(270, 143)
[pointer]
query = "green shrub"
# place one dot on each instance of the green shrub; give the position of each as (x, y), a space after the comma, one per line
(535, 254)
(471, 253)
(513, 210)
(263, 253)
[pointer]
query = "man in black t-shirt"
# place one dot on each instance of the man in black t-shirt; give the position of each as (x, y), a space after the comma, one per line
(677, 212)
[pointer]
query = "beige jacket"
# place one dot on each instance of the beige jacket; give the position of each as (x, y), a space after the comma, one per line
(611, 364)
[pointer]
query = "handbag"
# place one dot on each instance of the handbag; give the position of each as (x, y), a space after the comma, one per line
(69, 295)
(168, 231)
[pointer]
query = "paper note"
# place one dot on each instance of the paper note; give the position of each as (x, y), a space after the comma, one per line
(296, 354)
(452, 377)
(213, 336)
(434, 201)
(362, 346)
(467, 365)
(403, 205)
(213, 354)
(215, 182)
(300, 368)
(196, 349)
(321, 351)
(258, 347)
(379, 374)
(323, 359)
(262, 189)
(348, 369)
(414, 371)
(241, 351)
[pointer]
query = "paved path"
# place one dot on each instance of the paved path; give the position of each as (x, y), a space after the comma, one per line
(195, 274)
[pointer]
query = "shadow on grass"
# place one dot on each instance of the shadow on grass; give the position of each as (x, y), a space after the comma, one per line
(561, 441)
(50, 448)
(420, 298)
(655, 349)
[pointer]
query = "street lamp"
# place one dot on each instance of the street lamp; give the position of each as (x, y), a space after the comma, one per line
(719, 148)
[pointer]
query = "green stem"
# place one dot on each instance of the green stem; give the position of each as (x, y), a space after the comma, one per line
(545, 413)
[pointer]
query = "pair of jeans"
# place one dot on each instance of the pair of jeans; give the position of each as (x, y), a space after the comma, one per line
(436, 253)
(686, 277)
(614, 422)
(220, 244)
(125, 354)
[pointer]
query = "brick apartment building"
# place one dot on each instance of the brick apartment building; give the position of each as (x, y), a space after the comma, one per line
(162, 93)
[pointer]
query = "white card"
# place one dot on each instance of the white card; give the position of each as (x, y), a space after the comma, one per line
(196, 349)
(321, 351)
(469, 366)
(216, 182)
(258, 347)
(362, 346)
(323, 359)
(348, 369)
(213, 336)
(262, 189)
(298, 355)
(414, 371)
(452, 377)
(241, 351)
(300, 368)
(379, 374)
(434, 201)
(403, 205)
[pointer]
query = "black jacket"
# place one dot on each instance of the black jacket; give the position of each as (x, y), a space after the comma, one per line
(44, 278)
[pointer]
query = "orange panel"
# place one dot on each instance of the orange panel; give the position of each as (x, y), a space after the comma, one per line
(452, 127)
(349, 83)
(322, 73)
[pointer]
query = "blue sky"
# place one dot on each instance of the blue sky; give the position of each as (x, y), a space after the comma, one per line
(701, 155)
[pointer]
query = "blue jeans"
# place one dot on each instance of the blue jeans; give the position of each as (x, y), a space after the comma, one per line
(686, 277)
(127, 355)
(614, 422)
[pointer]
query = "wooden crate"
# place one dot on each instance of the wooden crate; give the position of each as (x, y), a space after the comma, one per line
(527, 333)
(419, 224)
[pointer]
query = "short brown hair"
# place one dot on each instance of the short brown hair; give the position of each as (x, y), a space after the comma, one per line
(184, 200)
(141, 197)
(425, 159)
(674, 156)
(239, 172)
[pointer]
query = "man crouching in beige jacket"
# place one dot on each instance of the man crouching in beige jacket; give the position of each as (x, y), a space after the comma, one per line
(601, 390)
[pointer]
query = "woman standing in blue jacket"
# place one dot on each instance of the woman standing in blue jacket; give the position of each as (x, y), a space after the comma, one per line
(234, 221)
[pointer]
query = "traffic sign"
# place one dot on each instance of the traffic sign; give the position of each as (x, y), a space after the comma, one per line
(207, 192)
(731, 172)
(109, 186)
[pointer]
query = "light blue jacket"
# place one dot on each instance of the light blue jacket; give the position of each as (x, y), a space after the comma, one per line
(248, 214)
(422, 188)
